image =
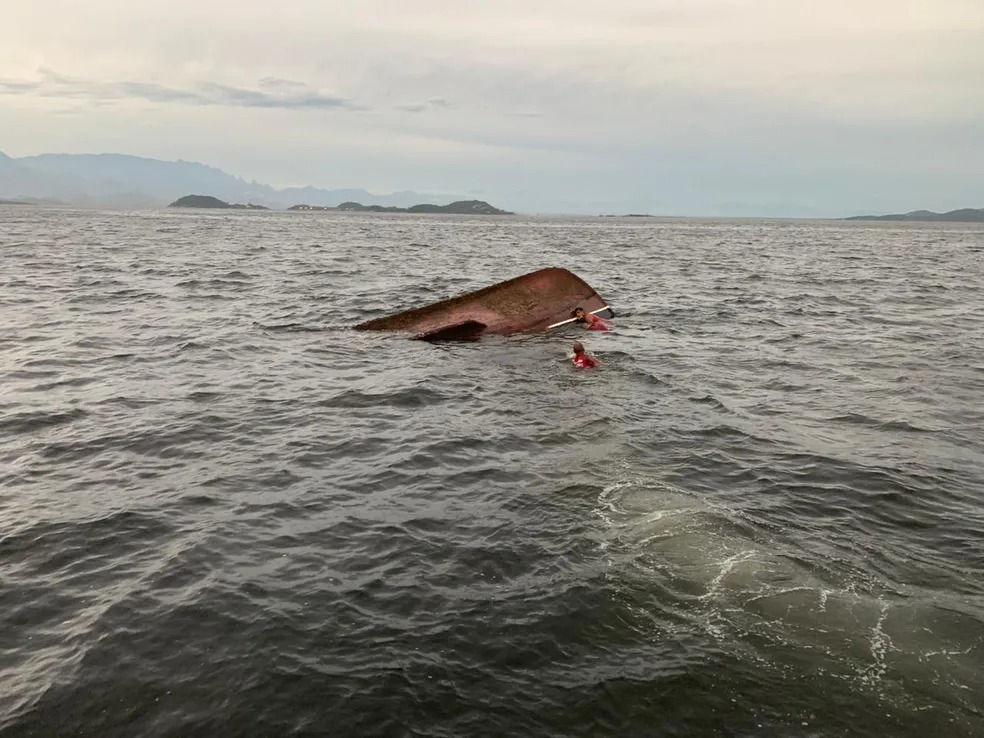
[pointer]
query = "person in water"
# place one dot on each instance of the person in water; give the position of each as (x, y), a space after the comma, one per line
(582, 359)
(591, 322)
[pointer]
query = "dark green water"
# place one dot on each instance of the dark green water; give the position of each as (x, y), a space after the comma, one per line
(223, 513)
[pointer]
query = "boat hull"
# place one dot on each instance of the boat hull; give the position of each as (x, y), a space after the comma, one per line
(537, 301)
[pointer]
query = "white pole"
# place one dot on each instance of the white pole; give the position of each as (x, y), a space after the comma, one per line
(571, 320)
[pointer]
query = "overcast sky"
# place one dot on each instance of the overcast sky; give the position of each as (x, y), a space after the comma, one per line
(682, 106)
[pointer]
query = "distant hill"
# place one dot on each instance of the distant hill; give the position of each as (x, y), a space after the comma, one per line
(964, 215)
(119, 180)
(18, 182)
(460, 207)
(207, 201)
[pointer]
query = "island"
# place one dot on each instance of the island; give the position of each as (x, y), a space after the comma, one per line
(460, 207)
(964, 215)
(207, 201)
(13, 202)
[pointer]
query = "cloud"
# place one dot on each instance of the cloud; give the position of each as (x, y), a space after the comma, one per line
(12, 87)
(784, 96)
(437, 103)
(562, 59)
(270, 93)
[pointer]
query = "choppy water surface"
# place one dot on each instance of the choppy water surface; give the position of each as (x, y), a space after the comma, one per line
(223, 513)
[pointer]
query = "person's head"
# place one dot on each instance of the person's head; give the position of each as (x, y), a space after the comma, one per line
(579, 313)
(578, 347)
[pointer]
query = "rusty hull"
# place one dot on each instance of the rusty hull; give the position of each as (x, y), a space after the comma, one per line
(533, 302)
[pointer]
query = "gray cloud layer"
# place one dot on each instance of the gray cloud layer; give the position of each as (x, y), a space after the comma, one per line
(278, 93)
(681, 105)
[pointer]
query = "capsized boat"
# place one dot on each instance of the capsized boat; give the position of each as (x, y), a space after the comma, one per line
(537, 301)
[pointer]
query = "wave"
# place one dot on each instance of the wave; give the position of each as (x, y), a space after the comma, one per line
(764, 511)
(25, 422)
(864, 420)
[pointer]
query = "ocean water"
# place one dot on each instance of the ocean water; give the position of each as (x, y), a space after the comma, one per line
(223, 513)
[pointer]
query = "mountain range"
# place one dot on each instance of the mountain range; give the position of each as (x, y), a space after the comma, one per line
(120, 180)
(124, 181)
(963, 215)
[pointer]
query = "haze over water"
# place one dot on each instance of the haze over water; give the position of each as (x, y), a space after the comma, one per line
(224, 513)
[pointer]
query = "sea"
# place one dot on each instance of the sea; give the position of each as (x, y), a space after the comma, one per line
(225, 513)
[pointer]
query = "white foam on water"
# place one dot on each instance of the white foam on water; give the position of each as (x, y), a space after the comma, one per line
(881, 642)
(750, 596)
(728, 565)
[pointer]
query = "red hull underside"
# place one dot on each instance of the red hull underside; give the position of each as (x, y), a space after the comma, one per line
(533, 302)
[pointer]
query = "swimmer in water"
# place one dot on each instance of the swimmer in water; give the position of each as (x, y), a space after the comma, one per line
(583, 360)
(591, 322)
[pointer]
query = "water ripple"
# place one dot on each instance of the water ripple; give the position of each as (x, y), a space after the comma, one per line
(223, 512)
